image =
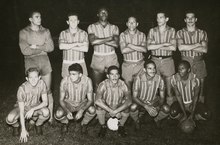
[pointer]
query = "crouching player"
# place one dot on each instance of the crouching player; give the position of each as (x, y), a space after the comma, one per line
(75, 97)
(186, 87)
(31, 105)
(146, 96)
(113, 99)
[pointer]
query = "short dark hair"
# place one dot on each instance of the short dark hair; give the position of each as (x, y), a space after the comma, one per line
(112, 67)
(164, 12)
(185, 63)
(75, 67)
(102, 8)
(132, 16)
(32, 69)
(72, 14)
(33, 12)
(148, 62)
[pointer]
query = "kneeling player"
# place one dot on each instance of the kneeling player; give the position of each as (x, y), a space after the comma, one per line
(32, 105)
(146, 96)
(186, 86)
(75, 97)
(113, 98)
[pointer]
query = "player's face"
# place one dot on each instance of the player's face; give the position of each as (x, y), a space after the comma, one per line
(33, 78)
(132, 24)
(114, 76)
(190, 19)
(75, 76)
(103, 15)
(150, 70)
(183, 71)
(36, 19)
(161, 19)
(73, 22)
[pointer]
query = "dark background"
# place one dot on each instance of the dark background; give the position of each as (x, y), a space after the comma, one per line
(14, 17)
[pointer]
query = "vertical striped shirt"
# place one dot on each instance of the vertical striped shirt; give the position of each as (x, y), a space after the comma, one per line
(31, 95)
(103, 32)
(113, 96)
(147, 89)
(75, 93)
(67, 37)
(187, 37)
(139, 38)
(157, 37)
(186, 89)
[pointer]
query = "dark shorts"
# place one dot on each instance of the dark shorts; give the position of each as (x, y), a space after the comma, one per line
(41, 62)
(131, 69)
(165, 67)
(100, 63)
(198, 66)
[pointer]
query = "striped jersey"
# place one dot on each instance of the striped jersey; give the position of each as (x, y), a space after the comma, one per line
(139, 38)
(31, 96)
(148, 88)
(42, 37)
(75, 93)
(103, 32)
(67, 37)
(187, 37)
(113, 96)
(157, 37)
(186, 89)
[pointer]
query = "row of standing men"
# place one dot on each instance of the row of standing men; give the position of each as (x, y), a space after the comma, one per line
(35, 42)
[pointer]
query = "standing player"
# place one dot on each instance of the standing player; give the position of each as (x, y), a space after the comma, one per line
(74, 42)
(186, 86)
(133, 45)
(162, 42)
(35, 42)
(145, 95)
(31, 105)
(75, 96)
(113, 98)
(104, 38)
(192, 43)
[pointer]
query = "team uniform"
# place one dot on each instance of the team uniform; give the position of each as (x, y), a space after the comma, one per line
(31, 96)
(35, 57)
(113, 97)
(75, 97)
(148, 93)
(71, 56)
(186, 91)
(104, 55)
(133, 61)
(194, 58)
(162, 58)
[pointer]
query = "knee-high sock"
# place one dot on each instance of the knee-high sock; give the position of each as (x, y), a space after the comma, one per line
(134, 115)
(50, 104)
(87, 118)
(101, 116)
(124, 118)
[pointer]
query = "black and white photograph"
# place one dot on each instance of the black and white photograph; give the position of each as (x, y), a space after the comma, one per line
(110, 72)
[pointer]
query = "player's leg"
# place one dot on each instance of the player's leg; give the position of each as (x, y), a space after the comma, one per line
(42, 115)
(134, 114)
(101, 117)
(48, 79)
(12, 119)
(88, 116)
(124, 117)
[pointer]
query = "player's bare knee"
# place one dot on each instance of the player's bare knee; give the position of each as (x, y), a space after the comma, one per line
(133, 107)
(59, 114)
(10, 118)
(91, 110)
(45, 112)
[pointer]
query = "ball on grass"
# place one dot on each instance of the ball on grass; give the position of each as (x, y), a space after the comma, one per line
(112, 124)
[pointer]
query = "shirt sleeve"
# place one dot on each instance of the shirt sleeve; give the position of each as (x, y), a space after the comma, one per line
(179, 35)
(204, 36)
(136, 84)
(25, 46)
(122, 38)
(173, 34)
(21, 95)
(90, 30)
(144, 40)
(150, 35)
(101, 89)
(115, 30)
